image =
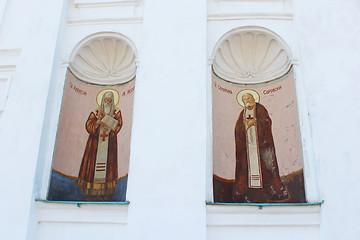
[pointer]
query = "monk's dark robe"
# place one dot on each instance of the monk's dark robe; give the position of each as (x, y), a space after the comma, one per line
(269, 167)
(87, 169)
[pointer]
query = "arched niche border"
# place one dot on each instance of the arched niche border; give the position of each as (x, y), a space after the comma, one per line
(105, 58)
(100, 63)
(233, 72)
(269, 55)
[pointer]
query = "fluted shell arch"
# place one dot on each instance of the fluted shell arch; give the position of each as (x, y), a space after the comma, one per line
(105, 60)
(251, 56)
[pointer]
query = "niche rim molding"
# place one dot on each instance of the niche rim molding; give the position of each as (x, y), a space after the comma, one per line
(106, 58)
(251, 55)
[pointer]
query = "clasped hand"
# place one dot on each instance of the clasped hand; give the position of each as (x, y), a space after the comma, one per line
(250, 122)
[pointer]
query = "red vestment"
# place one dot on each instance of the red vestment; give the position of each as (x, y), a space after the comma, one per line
(87, 170)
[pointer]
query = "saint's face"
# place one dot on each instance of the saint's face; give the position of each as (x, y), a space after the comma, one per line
(249, 101)
(107, 104)
(107, 100)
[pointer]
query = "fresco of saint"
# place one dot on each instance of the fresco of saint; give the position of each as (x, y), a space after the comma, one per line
(98, 175)
(256, 163)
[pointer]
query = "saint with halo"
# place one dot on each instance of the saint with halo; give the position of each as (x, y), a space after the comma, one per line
(98, 175)
(257, 171)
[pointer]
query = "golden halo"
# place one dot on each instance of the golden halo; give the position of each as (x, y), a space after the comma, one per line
(252, 92)
(101, 94)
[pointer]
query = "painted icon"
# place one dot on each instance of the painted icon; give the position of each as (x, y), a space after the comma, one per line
(92, 150)
(98, 175)
(256, 163)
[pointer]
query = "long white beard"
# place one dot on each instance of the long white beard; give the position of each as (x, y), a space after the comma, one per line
(107, 108)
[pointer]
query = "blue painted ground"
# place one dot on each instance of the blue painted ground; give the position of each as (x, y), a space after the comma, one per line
(63, 188)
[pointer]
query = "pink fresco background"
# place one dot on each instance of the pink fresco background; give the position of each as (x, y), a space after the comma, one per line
(282, 108)
(72, 136)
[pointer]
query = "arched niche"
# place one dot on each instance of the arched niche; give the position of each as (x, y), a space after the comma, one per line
(257, 153)
(92, 150)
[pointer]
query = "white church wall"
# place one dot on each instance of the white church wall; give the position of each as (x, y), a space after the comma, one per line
(273, 222)
(8, 63)
(167, 168)
(329, 43)
(90, 221)
(35, 34)
(172, 116)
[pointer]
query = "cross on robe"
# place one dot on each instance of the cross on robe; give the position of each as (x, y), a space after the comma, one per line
(249, 117)
(253, 158)
(104, 135)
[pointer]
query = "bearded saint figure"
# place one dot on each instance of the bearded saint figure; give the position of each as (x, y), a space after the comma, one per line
(98, 175)
(256, 163)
